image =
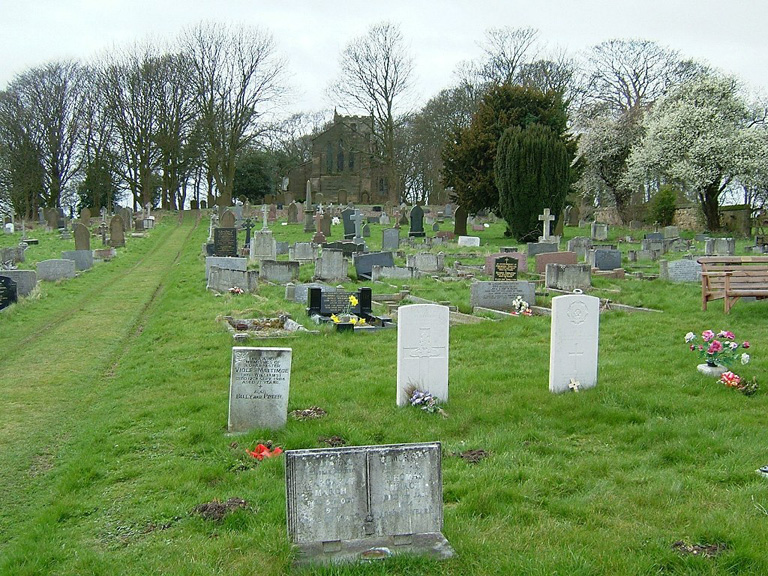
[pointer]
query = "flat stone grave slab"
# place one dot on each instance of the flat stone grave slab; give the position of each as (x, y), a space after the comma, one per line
(258, 388)
(365, 502)
(52, 270)
(500, 295)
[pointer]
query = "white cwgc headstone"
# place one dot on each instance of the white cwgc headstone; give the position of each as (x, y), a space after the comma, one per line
(258, 388)
(573, 342)
(422, 351)
(469, 241)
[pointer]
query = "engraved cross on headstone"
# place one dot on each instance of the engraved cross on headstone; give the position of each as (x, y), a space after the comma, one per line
(546, 218)
(423, 352)
(575, 355)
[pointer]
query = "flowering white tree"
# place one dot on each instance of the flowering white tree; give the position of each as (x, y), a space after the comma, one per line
(701, 137)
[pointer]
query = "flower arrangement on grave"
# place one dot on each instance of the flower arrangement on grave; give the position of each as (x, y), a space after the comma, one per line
(731, 380)
(719, 349)
(236, 290)
(261, 451)
(346, 315)
(425, 401)
(520, 307)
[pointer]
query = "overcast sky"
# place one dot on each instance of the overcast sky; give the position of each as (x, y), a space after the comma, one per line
(311, 34)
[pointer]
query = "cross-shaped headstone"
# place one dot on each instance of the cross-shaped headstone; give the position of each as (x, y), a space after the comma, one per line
(546, 218)
(358, 218)
(264, 211)
(320, 208)
(248, 225)
(103, 230)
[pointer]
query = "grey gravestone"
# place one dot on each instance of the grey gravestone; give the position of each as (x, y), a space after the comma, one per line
(426, 262)
(82, 236)
(13, 254)
(605, 259)
(263, 246)
(116, 232)
(540, 248)
(390, 239)
(26, 280)
(554, 258)
(8, 291)
(568, 277)
(573, 342)
(448, 211)
(258, 388)
(422, 351)
(227, 219)
(349, 225)
(303, 252)
(460, 221)
(580, 245)
(384, 219)
(347, 504)
(225, 242)
(366, 231)
(325, 224)
(279, 272)
(332, 266)
(293, 213)
(505, 269)
(301, 291)
(599, 231)
(680, 271)
(225, 263)
(223, 279)
(282, 247)
(500, 295)
(671, 232)
(720, 247)
(127, 215)
(469, 241)
(85, 215)
(52, 270)
(417, 222)
(365, 262)
(83, 258)
(655, 236)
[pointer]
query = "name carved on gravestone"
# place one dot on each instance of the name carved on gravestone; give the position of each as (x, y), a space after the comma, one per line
(347, 503)
(505, 269)
(258, 390)
(225, 241)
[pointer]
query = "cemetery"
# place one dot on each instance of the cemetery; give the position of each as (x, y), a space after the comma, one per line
(467, 405)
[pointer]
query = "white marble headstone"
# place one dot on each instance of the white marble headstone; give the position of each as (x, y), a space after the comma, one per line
(258, 388)
(573, 342)
(422, 351)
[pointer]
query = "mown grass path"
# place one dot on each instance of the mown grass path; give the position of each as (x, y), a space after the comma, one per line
(52, 365)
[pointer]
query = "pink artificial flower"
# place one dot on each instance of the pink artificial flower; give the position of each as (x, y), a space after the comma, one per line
(727, 334)
(745, 345)
(730, 379)
(714, 347)
(707, 335)
(693, 347)
(701, 347)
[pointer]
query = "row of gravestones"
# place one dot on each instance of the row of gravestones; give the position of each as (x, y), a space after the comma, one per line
(345, 503)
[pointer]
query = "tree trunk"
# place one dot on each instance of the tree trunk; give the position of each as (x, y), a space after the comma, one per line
(709, 199)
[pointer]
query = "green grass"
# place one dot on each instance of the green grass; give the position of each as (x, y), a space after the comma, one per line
(114, 413)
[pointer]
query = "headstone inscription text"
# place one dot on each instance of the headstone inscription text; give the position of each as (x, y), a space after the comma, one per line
(258, 393)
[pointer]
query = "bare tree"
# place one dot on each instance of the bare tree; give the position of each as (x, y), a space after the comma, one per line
(236, 76)
(375, 76)
(506, 51)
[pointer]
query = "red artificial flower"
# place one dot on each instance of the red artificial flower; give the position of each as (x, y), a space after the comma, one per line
(745, 345)
(714, 347)
(261, 452)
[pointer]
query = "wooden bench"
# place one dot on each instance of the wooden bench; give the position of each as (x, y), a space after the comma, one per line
(731, 277)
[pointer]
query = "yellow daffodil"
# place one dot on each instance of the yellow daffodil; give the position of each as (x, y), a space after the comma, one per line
(353, 300)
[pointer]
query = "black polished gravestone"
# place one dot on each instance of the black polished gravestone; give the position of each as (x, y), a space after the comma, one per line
(225, 241)
(323, 304)
(505, 269)
(8, 292)
(417, 222)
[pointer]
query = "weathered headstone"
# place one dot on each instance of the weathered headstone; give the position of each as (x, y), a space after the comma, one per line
(460, 221)
(349, 225)
(55, 269)
(357, 502)
(8, 291)
(546, 219)
(599, 231)
(224, 279)
(501, 295)
(227, 219)
(357, 219)
(116, 232)
(720, 247)
(303, 252)
(85, 215)
(680, 271)
(309, 211)
(82, 236)
(278, 272)
(671, 232)
(83, 258)
(580, 245)
(540, 248)
(332, 266)
(263, 246)
(605, 259)
(417, 222)
(258, 388)
(293, 213)
(426, 262)
(469, 241)
(422, 351)
(505, 269)
(26, 280)
(568, 277)
(573, 342)
(227, 263)
(390, 239)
